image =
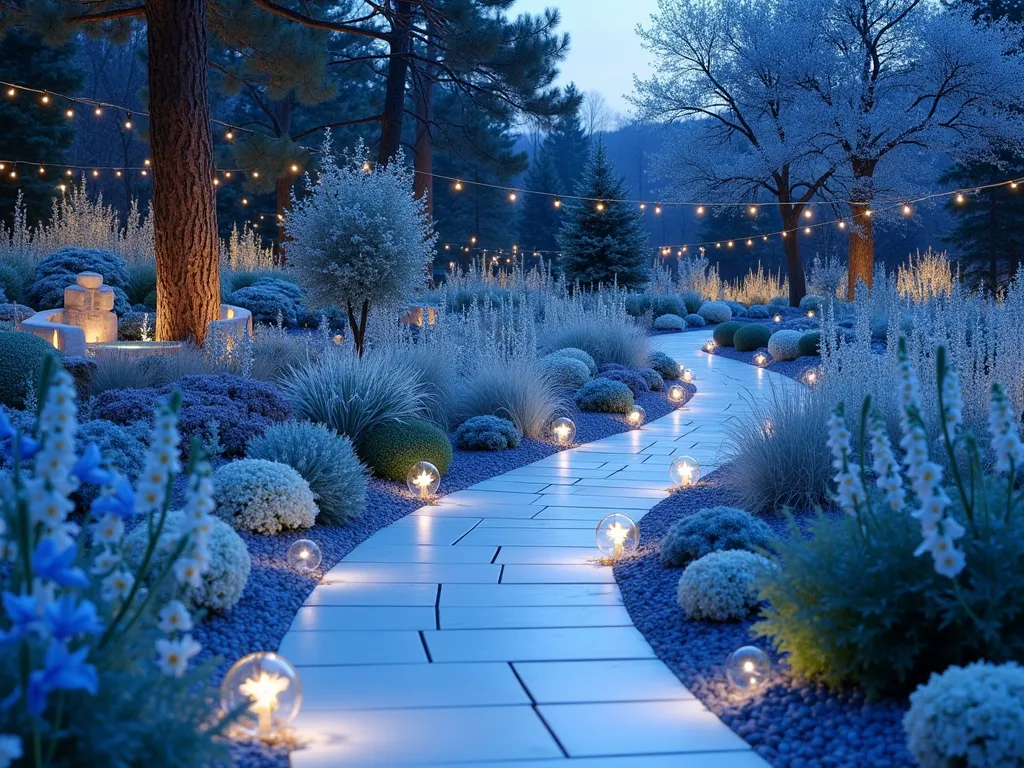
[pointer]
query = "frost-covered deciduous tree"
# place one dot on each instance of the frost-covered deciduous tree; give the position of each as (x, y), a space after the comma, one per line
(893, 77)
(359, 237)
(733, 66)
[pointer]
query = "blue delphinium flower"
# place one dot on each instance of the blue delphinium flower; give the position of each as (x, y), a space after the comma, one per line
(89, 467)
(67, 617)
(117, 499)
(24, 614)
(51, 564)
(62, 670)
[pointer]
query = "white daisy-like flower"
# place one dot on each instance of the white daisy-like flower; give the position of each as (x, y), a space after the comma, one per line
(104, 562)
(109, 529)
(174, 617)
(117, 585)
(188, 570)
(174, 655)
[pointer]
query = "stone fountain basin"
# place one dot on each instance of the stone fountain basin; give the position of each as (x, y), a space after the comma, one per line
(135, 348)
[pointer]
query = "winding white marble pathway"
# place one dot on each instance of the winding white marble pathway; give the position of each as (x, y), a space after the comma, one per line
(479, 631)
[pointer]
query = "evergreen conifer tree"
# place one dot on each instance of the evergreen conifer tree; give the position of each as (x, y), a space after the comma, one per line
(568, 144)
(538, 227)
(602, 240)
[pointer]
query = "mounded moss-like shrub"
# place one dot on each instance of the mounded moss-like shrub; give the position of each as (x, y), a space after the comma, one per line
(57, 271)
(712, 529)
(726, 332)
(604, 396)
(665, 366)
(391, 450)
(269, 296)
(652, 378)
(21, 362)
(721, 586)
(669, 323)
(809, 344)
(263, 496)
(738, 310)
(487, 433)
(578, 354)
(222, 584)
(566, 372)
(695, 321)
(325, 459)
(810, 301)
(124, 447)
(785, 344)
(759, 312)
(631, 379)
(750, 337)
(779, 301)
(692, 300)
(715, 312)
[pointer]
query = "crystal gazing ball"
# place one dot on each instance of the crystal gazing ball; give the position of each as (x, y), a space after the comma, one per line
(684, 471)
(636, 416)
(304, 555)
(676, 394)
(748, 668)
(423, 480)
(563, 431)
(617, 535)
(270, 686)
(688, 376)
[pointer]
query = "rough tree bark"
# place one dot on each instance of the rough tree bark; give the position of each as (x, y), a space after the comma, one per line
(862, 249)
(790, 214)
(394, 94)
(184, 208)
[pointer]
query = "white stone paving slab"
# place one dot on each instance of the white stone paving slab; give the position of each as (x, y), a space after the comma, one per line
(480, 631)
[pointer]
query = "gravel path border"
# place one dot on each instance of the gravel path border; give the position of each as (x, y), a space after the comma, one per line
(792, 723)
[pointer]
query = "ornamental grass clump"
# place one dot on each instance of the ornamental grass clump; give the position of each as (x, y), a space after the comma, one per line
(925, 567)
(96, 652)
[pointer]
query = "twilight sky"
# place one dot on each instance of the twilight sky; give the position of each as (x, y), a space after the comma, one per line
(605, 50)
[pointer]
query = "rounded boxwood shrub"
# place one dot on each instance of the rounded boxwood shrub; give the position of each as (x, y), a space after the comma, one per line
(724, 333)
(390, 450)
(631, 379)
(721, 586)
(809, 344)
(810, 301)
(21, 360)
(664, 365)
(604, 396)
(759, 312)
(669, 323)
(487, 433)
(692, 300)
(738, 310)
(578, 354)
(785, 344)
(325, 459)
(223, 582)
(970, 716)
(667, 305)
(695, 321)
(57, 271)
(263, 496)
(566, 372)
(712, 529)
(652, 378)
(268, 296)
(750, 337)
(779, 301)
(715, 312)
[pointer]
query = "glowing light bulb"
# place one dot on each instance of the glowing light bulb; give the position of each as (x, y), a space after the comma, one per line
(807, 213)
(255, 174)
(636, 416)
(750, 242)
(95, 173)
(907, 210)
(748, 668)
(643, 206)
(676, 395)
(41, 170)
(270, 689)
(216, 182)
(512, 197)
(841, 224)
(367, 167)
(959, 197)
(458, 186)
(868, 213)
(69, 113)
(709, 345)
(731, 243)
(295, 168)
(616, 536)
(11, 92)
(245, 201)
(777, 318)
(68, 172)
(230, 135)
(472, 240)
(752, 210)
(128, 124)
(761, 359)
(688, 376)
(98, 111)
(807, 230)
(684, 472)
(657, 209)
(304, 555)
(600, 207)
(563, 431)
(558, 203)
(46, 98)
(700, 210)
(811, 377)
(423, 480)
(147, 162)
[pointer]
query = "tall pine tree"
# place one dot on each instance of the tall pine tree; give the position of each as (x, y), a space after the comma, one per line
(569, 144)
(603, 240)
(538, 225)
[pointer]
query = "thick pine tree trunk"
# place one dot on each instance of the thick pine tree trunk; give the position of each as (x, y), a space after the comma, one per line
(862, 249)
(394, 94)
(184, 208)
(791, 244)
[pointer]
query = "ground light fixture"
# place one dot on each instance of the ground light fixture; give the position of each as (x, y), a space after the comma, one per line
(636, 416)
(423, 480)
(810, 313)
(676, 394)
(748, 668)
(777, 318)
(688, 376)
(760, 359)
(617, 535)
(270, 687)
(811, 377)
(709, 346)
(684, 471)
(304, 555)
(563, 431)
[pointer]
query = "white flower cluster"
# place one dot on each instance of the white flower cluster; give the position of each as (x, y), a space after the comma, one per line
(887, 470)
(849, 488)
(1002, 425)
(53, 482)
(263, 496)
(939, 530)
(969, 716)
(720, 586)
